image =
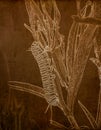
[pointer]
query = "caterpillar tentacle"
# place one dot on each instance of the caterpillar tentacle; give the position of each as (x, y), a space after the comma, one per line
(46, 71)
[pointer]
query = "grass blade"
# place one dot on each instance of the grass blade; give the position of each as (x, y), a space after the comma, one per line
(97, 62)
(26, 87)
(56, 124)
(98, 118)
(88, 115)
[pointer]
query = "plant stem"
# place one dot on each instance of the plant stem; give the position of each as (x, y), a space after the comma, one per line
(65, 108)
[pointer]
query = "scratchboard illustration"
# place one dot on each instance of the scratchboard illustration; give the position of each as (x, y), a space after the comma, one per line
(50, 65)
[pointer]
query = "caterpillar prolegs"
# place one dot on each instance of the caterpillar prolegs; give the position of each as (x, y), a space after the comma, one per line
(46, 72)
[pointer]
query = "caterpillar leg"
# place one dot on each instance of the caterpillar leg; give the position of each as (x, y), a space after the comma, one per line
(52, 122)
(51, 112)
(47, 109)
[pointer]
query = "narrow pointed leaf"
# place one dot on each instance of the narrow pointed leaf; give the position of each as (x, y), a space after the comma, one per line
(33, 9)
(98, 117)
(55, 123)
(88, 115)
(26, 87)
(57, 15)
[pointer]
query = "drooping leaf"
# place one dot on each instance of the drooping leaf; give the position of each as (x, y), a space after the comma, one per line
(26, 87)
(57, 124)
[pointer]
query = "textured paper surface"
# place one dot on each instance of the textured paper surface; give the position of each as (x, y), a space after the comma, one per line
(17, 64)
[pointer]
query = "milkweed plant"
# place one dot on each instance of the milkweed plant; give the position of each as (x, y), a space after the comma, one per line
(62, 64)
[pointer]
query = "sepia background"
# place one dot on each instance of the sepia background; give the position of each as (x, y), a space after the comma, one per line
(18, 64)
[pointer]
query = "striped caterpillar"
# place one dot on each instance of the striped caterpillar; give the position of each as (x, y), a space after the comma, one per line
(47, 75)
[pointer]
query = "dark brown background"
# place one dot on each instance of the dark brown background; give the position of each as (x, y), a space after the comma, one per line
(21, 66)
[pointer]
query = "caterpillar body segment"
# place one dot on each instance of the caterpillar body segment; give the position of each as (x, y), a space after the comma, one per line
(46, 71)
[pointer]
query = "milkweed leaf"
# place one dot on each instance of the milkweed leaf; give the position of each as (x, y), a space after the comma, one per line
(60, 65)
(77, 57)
